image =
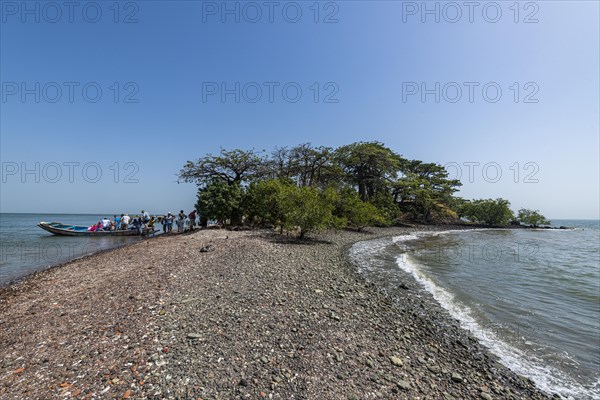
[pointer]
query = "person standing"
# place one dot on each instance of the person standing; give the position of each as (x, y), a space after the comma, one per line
(180, 221)
(170, 218)
(164, 223)
(125, 222)
(118, 222)
(192, 217)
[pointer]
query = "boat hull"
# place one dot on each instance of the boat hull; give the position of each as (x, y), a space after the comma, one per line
(74, 230)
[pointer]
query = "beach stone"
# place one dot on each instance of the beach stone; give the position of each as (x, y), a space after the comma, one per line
(246, 304)
(194, 336)
(485, 396)
(434, 368)
(396, 361)
(456, 377)
(207, 249)
(244, 382)
(402, 384)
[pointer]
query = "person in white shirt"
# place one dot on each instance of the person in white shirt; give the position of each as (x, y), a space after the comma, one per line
(106, 224)
(125, 221)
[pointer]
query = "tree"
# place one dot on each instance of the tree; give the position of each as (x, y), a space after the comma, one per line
(369, 166)
(304, 164)
(221, 201)
(306, 208)
(424, 190)
(234, 168)
(488, 211)
(388, 208)
(532, 217)
(230, 166)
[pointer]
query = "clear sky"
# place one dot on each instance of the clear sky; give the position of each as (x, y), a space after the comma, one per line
(103, 102)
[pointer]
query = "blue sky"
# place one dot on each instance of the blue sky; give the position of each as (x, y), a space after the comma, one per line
(361, 69)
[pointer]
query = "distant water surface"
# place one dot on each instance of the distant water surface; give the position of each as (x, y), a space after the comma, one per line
(26, 248)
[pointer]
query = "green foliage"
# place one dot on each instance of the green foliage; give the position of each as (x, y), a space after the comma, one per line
(357, 213)
(424, 190)
(312, 188)
(387, 207)
(531, 217)
(369, 166)
(304, 165)
(489, 211)
(263, 201)
(218, 200)
(230, 166)
(306, 208)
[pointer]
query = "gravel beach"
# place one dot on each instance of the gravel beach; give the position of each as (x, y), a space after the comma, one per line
(225, 315)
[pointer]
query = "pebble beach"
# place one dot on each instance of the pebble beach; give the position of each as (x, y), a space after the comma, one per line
(221, 314)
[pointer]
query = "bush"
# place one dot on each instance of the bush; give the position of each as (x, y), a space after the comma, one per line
(262, 201)
(306, 208)
(489, 211)
(356, 213)
(531, 217)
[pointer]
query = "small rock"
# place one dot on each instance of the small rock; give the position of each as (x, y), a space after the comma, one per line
(457, 377)
(485, 396)
(402, 384)
(244, 382)
(396, 361)
(434, 368)
(207, 249)
(194, 336)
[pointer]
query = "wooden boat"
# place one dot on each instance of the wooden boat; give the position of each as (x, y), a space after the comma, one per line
(75, 230)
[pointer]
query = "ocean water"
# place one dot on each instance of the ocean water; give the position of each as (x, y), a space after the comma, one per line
(26, 248)
(531, 296)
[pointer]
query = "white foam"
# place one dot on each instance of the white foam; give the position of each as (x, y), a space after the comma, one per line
(404, 238)
(546, 378)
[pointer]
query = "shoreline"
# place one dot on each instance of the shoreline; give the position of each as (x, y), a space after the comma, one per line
(18, 280)
(258, 316)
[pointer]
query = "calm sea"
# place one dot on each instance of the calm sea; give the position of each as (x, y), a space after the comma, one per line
(25, 248)
(531, 296)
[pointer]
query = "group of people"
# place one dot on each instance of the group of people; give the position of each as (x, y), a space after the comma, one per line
(182, 221)
(146, 222)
